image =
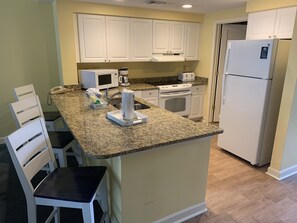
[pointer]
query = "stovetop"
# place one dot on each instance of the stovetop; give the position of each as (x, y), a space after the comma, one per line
(171, 82)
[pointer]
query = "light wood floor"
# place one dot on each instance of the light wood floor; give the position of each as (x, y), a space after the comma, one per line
(239, 192)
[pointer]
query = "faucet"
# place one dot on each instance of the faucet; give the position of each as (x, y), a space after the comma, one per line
(112, 96)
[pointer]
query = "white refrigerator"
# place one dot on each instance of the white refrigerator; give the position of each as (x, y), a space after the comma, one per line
(252, 88)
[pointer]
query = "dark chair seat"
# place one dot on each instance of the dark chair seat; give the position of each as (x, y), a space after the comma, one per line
(60, 139)
(71, 184)
(51, 115)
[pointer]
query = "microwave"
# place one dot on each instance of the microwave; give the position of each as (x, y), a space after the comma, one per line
(99, 78)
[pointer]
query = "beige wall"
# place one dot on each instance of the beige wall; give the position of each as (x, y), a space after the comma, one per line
(66, 9)
(260, 5)
(207, 44)
(285, 144)
(28, 53)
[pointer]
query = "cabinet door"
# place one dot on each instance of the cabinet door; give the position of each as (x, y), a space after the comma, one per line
(161, 36)
(92, 42)
(118, 38)
(192, 41)
(284, 24)
(176, 37)
(141, 39)
(196, 106)
(261, 25)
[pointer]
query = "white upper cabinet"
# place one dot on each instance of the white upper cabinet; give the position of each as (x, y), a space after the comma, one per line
(192, 41)
(168, 36)
(118, 38)
(277, 23)
(284, 24)
(141, 39)
(92, 42)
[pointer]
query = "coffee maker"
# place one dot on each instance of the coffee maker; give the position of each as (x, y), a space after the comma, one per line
(123, 76)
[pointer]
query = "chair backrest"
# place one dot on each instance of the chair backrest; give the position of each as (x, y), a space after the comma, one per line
(30, 150)
(26, 110)
(23, 92)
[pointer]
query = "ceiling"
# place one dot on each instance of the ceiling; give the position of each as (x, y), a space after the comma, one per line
(199, 6)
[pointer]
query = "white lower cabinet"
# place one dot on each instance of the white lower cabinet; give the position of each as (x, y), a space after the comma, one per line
(151, 96)
(197, 102)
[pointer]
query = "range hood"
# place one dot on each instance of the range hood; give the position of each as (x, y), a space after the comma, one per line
(167, 58)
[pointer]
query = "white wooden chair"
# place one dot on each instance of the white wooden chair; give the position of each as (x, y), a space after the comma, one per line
(30, 150)
(28, 109)
(53, 119)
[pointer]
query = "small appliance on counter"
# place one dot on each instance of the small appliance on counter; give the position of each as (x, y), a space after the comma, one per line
(99, 78)
(123, 76)
(186, 76)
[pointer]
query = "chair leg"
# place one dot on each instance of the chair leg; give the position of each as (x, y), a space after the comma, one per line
(57, 215)
(88, 213)
(61, 154)
(103, 201)
(31, 210)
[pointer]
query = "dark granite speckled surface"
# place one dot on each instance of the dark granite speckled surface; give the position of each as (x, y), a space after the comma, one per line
(102, 138)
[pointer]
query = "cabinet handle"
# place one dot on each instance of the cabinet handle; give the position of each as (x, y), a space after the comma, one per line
(274, 36)
(269, 36)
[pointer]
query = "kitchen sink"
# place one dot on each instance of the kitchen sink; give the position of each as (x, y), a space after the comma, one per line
(116, 102)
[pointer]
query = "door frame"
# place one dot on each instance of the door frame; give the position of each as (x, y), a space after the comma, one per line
(214, 60)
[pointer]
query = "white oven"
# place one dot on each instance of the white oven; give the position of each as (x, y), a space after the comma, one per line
(176, 98)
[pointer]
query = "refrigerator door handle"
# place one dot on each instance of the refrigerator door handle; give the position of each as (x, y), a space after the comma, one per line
(224, 88)
(225, 74)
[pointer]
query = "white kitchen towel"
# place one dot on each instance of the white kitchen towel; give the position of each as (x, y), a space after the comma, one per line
(127, 107)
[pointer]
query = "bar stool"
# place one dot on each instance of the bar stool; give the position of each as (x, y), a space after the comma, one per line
(30, 150)
(28, 109)
(52, 118)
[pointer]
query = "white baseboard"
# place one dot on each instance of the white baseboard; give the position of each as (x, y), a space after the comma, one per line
(280, 175)
(184, 215)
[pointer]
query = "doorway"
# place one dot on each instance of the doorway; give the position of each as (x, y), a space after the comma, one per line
(225, 32)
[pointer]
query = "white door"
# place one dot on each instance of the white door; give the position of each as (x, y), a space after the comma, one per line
(177, 36)
(261, 24)
(92, 42)
(141, 39)
(161, 36)
(118, 38)
(192, 41)
(284, 23)
(250, 58)
(229, 32)
(242, 115)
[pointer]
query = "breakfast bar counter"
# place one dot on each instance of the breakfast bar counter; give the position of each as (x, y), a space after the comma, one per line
(102, 138)
(157, 171)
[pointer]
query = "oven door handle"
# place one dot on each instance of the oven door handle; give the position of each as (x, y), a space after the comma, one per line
(175, 94)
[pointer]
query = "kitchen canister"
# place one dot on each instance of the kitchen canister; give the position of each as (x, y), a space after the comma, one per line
(127, 107)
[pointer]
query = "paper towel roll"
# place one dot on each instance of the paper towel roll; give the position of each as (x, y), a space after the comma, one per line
(127, 107)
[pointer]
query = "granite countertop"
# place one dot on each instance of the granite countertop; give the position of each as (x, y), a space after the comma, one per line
(139, 84)
(101, 138)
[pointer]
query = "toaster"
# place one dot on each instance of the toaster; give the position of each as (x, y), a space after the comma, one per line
(186, 76)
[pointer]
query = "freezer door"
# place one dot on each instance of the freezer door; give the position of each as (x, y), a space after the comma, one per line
(242, 116)
(252, 58)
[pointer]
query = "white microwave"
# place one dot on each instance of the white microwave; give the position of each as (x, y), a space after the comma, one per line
(99, 78)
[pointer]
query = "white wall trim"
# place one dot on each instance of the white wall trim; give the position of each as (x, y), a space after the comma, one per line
(211, 87)
(283, 174)
(184, 215)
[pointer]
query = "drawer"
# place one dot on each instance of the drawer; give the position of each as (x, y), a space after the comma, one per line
(198, 89)
(149, 93)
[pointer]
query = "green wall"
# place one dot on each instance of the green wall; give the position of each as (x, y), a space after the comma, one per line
(28, 53)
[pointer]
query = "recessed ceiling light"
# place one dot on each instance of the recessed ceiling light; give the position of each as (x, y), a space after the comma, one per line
(186, 6)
